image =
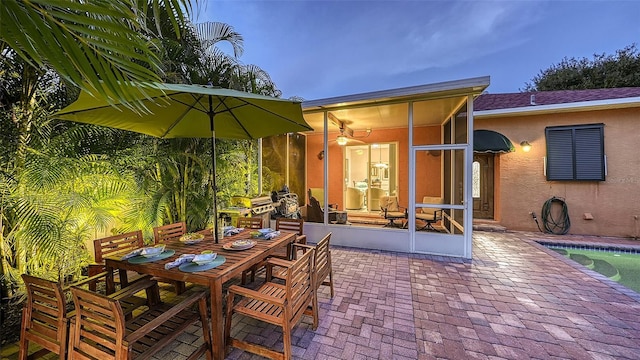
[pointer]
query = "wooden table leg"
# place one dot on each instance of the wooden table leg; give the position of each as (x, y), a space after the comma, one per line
(110, 285)
(217, 320)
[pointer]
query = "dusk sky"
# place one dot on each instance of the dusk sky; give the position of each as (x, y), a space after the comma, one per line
(319, 49)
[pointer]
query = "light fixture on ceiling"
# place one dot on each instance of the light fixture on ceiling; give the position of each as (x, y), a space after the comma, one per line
(526, 147)
(380, 164)
(341, 140)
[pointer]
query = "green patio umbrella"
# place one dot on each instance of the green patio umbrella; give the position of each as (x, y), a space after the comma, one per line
(183, 111)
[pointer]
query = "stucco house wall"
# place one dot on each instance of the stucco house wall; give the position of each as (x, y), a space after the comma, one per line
(521, 186)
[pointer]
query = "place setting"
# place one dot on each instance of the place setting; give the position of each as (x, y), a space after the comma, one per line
(238, 245)
(264, 234)
(148, 254)
(206, 260)
(191, 238)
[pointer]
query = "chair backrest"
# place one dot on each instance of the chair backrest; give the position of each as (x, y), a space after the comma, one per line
(374, 198)
(390, 203)
(117, 243)
(431, 200)
(250, 222)
(294, 225)
(300, 281)
(323, 259)
(354, 198)
(44, 317)
(98, 329)
(315, 212)
(169, 231)
(317, 193)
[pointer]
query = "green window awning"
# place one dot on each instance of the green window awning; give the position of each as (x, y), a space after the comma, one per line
(488, 141)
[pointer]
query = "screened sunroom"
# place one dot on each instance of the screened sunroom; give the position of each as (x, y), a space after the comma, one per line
(387, 170)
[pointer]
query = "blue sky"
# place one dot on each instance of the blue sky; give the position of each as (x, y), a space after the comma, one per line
(319, 49)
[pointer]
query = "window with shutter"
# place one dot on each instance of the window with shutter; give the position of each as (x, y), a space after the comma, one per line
(575, 152)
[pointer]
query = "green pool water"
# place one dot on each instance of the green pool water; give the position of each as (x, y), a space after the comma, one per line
(620, 267)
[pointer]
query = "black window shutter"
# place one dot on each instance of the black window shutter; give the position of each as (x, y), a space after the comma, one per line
(559, 154)
(575, 152)
(589, 150)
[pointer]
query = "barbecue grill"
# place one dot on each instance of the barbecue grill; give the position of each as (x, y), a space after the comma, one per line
(243, 206)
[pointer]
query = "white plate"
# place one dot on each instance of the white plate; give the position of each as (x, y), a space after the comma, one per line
(229, 245)
(190, 239)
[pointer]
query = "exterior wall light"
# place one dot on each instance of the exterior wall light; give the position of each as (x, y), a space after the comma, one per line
(341, 140)
(526, 147)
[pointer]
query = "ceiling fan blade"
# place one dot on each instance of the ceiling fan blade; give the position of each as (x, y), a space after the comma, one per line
(348, 131)
(340, 124)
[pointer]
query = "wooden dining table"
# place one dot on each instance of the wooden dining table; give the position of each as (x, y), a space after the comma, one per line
(236, 262)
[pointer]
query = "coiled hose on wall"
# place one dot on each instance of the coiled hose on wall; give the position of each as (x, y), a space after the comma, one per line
(558, 224)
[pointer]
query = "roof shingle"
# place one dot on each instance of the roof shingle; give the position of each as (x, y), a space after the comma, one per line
(516, 100)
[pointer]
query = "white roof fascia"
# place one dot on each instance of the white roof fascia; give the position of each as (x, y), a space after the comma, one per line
(556, 108)
(477, 84)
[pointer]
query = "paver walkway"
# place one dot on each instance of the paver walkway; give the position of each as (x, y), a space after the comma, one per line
(514, 300)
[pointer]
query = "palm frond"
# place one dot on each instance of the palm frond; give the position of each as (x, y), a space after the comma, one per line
(96, 45)
(211, 33)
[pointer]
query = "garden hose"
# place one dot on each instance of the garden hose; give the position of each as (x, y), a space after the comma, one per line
(555, 225)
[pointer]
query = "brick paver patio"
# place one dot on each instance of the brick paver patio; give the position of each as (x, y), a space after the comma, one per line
(514, 300)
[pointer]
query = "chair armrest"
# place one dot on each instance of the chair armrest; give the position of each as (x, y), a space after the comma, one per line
(239, 290)
(85, 281)
(275, 262)
(94, 269)
(143, 283)
(278, 262)
(167, 315)
(303, 247)
(301, 239)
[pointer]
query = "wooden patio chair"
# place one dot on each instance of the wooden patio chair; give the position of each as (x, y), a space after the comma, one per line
(322, 263)
(285, 253)
(99, 330)
(278, 304)
(121, 243)
(169, 232)
(250, 222)
(45, 316)
(293, 225)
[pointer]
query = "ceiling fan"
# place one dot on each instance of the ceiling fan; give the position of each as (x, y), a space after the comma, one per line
(346, 136)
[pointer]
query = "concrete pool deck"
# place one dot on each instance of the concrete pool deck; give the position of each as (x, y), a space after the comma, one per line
(514, 300)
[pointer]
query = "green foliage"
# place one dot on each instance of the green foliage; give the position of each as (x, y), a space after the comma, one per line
(64, 184)
(95, 45)
(603, 71)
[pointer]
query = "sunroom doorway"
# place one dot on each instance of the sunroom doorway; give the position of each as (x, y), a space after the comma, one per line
(371, 172)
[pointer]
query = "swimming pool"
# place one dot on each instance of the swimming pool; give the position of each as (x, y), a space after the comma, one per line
(620, 265)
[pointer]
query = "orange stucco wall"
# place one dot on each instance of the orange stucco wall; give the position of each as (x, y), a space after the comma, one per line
(521, 186)
(425, 185)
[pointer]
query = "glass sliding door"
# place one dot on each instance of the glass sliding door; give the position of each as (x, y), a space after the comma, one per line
(370, 173)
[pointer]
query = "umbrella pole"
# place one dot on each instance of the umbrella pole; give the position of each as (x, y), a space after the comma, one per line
(213, 171)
